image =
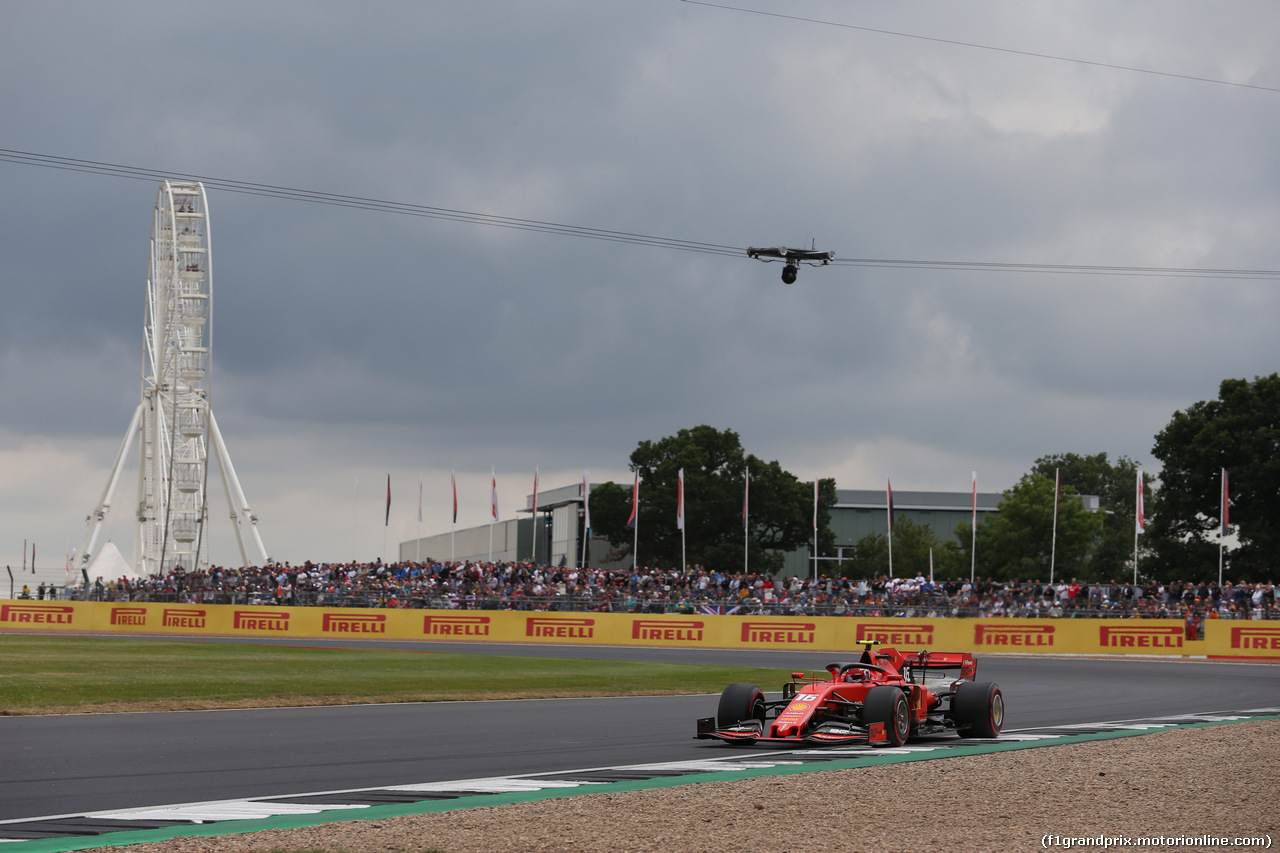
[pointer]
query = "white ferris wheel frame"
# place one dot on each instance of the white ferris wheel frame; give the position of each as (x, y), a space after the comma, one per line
(174, 422)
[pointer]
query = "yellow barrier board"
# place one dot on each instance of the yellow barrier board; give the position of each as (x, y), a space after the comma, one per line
(1222, 638)
(1235, 638)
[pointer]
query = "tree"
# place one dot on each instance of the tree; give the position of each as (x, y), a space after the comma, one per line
(715, 465)
(1115, 485)
(1239, 431)
(610, 509)
(1018, 543)
(912, 544)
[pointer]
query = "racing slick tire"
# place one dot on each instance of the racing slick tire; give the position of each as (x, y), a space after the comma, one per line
(739, 702)
(888, 705)
(978, 709)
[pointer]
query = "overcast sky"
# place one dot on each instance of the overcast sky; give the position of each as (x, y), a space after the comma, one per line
(350, 344)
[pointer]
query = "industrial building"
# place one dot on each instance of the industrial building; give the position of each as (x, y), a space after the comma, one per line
(558, 518)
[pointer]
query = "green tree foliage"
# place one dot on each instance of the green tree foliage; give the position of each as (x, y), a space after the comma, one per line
(1239, 431)
(1018, 543)
(610, 508)
(715, 466)
(1116, 486)
(912, 543)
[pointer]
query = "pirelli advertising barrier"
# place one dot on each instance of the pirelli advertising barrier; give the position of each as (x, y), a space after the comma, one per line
(1222, 638)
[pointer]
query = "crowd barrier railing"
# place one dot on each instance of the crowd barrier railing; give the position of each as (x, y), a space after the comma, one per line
(937, 606)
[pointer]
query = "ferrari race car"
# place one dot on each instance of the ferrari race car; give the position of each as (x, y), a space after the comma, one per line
(884, 698)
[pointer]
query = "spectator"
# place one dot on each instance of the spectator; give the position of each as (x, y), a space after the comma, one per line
(510, 585)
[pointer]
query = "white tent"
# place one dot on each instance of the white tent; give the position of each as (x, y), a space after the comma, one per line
(110, 565)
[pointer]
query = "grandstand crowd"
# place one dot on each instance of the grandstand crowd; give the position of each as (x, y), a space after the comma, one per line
(528, 586)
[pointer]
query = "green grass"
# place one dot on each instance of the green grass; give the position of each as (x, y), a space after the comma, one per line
(75, 674)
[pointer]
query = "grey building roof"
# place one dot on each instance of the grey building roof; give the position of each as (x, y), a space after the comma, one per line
(904, 500)
(552, 498)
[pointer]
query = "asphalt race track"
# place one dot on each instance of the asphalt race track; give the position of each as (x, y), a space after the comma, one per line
(63, 765)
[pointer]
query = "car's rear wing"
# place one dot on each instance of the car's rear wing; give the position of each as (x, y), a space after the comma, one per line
(925, 660)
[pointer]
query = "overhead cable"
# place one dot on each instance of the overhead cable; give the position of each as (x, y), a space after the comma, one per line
(50, 161)
(977, 46)
(362, 203)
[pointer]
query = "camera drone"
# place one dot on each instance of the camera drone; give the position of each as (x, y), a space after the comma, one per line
(793, 258)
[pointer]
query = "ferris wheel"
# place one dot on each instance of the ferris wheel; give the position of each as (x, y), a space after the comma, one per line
(174, 423)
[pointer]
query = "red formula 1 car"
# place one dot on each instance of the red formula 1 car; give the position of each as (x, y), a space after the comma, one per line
(884, 699)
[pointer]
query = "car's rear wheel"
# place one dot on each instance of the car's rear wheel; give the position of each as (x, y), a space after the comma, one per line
(740, 702)
(978, 708)
(888, 705)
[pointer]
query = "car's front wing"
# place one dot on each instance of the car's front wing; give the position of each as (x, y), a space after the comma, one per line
(752, 731)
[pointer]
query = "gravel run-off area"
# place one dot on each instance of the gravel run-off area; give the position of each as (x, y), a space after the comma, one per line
(1221, 781)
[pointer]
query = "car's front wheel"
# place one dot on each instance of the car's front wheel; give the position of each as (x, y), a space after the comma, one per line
(888, 705)
(978, 709)
(740, 702)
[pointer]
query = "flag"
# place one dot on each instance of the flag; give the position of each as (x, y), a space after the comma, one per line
(635, 502)
(1226, 510)
(387, 522)
(33, 558)
(815, 500)
(1057, 492)
(890, 499)
(493, 515)
(454, 481)
(718, 609)
(586, 501)
(1140, 513)
(680, 500)
(534, 508)
(746, 490)
(975, 500)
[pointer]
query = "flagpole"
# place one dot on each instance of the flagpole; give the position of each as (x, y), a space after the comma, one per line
(1137, 525)
(680, 515)
(1135, 557)
(417, 554)
(889, 518)
(973, 537)
(493, 509)
(533, 548)
(1224, 512)
(1053, 546)
(586, 516)
(453, 525)
(635, 529)
(746, 522)
(355, 506)
(815, 525)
